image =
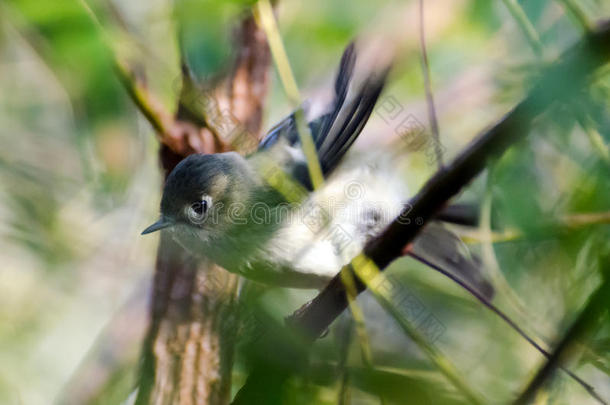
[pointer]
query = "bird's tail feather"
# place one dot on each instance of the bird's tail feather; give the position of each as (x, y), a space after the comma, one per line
(344, 124)
(442, 247)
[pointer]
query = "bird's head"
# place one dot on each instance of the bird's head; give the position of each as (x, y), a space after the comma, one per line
(201, 191)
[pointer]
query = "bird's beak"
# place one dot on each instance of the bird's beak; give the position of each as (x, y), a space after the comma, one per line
(157, 226)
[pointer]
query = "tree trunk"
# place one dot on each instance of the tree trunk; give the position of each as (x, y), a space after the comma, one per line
(188, 351)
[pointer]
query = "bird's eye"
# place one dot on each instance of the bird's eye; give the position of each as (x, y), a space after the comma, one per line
(199, 208)
(197, 211)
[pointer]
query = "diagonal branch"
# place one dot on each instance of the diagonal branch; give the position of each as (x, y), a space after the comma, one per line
(559, 81)
(159, 118)
(180, 136)
(596, 306)
(577, 64)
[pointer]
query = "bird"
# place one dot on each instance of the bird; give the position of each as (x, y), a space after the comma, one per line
(222, 206)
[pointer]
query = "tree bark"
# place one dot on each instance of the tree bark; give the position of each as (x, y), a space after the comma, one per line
(188, 352)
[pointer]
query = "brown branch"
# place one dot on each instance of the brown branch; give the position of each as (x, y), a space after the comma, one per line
(188, 352)
(180, 134)
(558, 83)
(160, 119)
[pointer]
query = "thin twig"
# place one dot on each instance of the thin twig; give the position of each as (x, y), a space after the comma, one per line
(142, 99)
(117, 15)
(595, 308)
(344, 337)
(526, 26)
(506, 319)
(578, 14)
(264, 15)
(429, 95)
(596, 140)
(266, 19)
(569, 221)
(489, 256)
(152, 109)
(358, 318)
(534, 40)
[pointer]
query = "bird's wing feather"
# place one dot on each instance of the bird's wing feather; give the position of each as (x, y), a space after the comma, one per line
(335, 131)
(286, 129)
(443, 248)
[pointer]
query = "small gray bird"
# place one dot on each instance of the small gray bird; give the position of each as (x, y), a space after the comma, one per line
(222, 206)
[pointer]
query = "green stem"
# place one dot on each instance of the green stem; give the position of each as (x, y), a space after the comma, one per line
(491, 262)
(358, 315)
(368, 271)
(526, 26)
(596, 140)
(578, 14)
(263, 12)
(568, 346)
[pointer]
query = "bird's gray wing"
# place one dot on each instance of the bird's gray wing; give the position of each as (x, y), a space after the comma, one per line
(442, 248)
(286, 129)
(460, 213)
(335, 131)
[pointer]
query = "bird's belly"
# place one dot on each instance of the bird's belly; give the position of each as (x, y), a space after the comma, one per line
(319, 240)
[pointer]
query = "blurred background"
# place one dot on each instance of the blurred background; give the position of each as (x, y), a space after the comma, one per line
(80, 180)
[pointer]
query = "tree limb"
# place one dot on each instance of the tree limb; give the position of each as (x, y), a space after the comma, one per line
(559, 81)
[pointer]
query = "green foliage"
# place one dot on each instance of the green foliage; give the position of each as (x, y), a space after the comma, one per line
(79, 179)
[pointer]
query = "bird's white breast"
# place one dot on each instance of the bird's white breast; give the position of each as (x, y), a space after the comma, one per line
(334, 224)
